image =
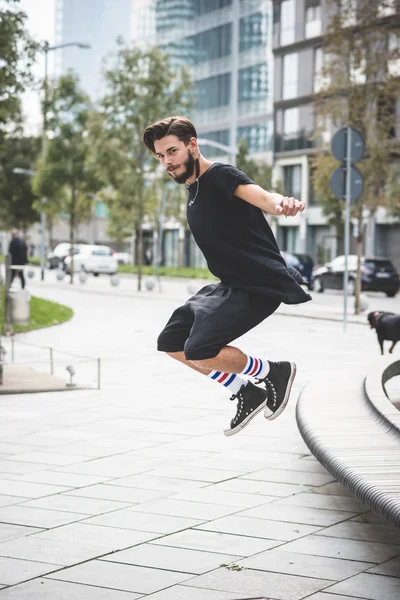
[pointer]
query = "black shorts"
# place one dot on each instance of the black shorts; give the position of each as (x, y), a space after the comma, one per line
(211, 319)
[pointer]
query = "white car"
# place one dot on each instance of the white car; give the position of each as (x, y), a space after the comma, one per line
(93, 259)
(56, 258)
(123, 258)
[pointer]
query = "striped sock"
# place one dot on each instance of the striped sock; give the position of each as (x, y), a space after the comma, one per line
(256, 367)
(230, 380)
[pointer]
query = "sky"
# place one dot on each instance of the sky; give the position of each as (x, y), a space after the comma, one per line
(41, 26)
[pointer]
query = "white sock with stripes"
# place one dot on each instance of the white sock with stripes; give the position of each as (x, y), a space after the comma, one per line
(230, 380)
(255, 367)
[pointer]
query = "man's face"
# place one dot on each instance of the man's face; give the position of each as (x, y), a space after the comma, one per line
(175, 157)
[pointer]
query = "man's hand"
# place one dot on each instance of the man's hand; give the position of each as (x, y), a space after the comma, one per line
(287, 206)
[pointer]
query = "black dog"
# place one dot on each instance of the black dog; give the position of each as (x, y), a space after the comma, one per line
(387, 326)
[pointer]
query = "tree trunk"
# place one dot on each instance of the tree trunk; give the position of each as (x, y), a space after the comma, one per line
(140, 248)
(360, 239)
(50, 231)
(72, 231)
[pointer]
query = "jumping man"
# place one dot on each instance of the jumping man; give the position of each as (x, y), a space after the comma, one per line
(225, 215)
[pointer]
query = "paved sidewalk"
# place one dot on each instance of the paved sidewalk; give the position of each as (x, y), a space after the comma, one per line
(133, 491)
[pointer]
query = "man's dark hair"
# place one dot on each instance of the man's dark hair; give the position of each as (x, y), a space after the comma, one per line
(179, 126)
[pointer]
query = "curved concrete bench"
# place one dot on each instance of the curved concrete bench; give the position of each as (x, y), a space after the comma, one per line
(353, 429)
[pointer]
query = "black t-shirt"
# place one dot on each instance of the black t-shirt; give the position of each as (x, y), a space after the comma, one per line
(236, 239)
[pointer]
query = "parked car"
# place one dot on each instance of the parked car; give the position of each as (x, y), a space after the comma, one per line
(55, 259)
(123, 258)
(378, 274)
(302, 262)
(93, 259)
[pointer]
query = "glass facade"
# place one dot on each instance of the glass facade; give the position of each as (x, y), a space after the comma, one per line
(213, 91)
(211, 44)
(253, 31)
(258, 137)
(253, 83)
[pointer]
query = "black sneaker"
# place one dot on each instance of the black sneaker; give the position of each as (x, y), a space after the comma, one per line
(251, 400)
(278, 384)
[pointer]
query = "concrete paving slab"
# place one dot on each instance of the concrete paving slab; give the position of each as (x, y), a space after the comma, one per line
(63, 502)
(108, 539)
(13, 571)
(275, 511)
(340, 548)
(10, 532)
(10, 500)
(172, 559)
(305, 565)
(290, 477)
(37, 517)
(48, 551)
(370, 587)
(115, 576)
(126, 519)
(255, 583)
(364, 531)
(191, 510)
(260, 528)
(391, 567)
(50, 589)
(210, 541)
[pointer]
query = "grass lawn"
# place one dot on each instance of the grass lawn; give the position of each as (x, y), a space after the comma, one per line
(45, 314)
(188, 272)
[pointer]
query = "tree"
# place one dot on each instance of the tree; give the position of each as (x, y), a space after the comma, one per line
(17, 55)
(360, 87)
(16, 195)
(65, 177)
(141, 87)
(259, 172)
(332, 208)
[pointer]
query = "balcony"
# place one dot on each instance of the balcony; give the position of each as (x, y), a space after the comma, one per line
(294, 141)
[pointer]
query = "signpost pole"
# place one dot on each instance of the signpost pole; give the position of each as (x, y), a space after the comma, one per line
(347, 227)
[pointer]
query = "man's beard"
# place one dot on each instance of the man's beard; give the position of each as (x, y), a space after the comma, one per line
(189, 165)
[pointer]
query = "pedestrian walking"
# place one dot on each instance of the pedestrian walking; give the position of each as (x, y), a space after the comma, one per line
(225, 213)
(19, 256)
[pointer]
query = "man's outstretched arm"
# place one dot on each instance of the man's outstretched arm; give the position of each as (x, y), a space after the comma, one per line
(269, 202)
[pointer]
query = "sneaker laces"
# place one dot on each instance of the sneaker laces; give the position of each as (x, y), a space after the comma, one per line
(271, 391)
(239, 397)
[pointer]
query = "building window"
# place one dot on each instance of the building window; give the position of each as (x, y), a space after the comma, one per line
(213, 92)
(394, 60)
(258, 137)
(290, 66)
(388, 9)
(253, 31)
(313, 21)
(321, 80)
(210, 44)
(292, 181)
(253, 83)
(287, 22)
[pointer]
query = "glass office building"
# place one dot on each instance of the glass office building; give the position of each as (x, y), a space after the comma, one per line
(201, 34)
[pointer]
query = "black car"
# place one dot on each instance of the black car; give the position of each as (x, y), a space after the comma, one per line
(302, 262)
(377, 275)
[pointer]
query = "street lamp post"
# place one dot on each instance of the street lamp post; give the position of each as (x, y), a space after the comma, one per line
(46, 49)
(231, 150)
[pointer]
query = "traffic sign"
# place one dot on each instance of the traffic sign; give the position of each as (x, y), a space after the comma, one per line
(338, 183)
(339, 145)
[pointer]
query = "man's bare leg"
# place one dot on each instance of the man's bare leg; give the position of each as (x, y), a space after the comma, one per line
(228, 360)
